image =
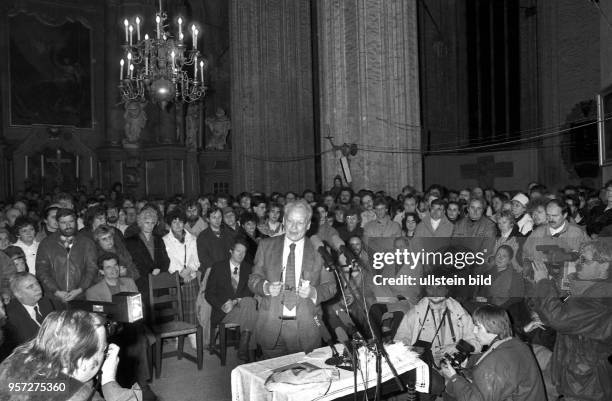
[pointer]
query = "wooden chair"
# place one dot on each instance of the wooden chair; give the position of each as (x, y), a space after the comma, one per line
(166, 315)
(220, 331)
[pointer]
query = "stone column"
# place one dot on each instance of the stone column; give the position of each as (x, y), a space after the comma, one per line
(271, 95)
(369, 90)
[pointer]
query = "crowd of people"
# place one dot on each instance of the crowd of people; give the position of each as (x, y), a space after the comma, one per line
(542, 328)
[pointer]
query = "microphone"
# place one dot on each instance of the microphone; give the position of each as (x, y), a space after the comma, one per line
(349, 254)
(343, 338)
(345, 318)
(328, 260)
(335, 359)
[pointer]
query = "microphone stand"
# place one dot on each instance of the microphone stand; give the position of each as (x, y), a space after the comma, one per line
(380, 349)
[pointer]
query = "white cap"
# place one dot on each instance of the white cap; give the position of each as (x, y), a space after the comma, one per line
(521, 198)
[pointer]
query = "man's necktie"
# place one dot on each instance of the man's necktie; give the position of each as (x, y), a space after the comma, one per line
(39, 317)
(290, 295)
(235, 278)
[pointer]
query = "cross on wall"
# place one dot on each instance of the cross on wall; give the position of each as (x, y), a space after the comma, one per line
(486, 170)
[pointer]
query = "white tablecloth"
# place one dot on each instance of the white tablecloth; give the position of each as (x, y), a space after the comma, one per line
(248, 380)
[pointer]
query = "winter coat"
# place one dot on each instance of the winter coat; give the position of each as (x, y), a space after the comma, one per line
(580, 367)
(66, 270)
(507, 372)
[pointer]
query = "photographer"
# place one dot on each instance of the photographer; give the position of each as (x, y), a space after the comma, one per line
(68, 351)
(506, 371)
(583, 322)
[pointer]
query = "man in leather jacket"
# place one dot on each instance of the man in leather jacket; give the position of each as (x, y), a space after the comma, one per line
(583, 322)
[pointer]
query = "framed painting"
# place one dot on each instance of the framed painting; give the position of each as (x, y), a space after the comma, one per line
(50, 72)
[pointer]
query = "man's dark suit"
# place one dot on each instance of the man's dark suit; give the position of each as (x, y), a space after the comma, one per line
(20, 327)
(268, 266)
(219, 287)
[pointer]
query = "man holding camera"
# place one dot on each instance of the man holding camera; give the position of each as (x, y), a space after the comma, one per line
(506, 371)
(558, 231)
(583, 322)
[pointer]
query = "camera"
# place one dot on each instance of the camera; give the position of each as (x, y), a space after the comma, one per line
(464, 349)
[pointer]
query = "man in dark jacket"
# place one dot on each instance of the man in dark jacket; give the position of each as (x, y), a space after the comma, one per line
(65, 263)
(27, 309)
(228, 293)
(580, 367)
(506, 371)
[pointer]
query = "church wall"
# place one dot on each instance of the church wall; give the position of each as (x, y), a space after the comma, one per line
(271, 95)
(569, 61)
(605, 53)
(443, 73)
(369, 91)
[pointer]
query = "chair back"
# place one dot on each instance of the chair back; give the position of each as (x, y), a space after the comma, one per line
(165, 297)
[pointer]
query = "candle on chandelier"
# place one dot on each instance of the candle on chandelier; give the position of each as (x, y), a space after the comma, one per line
(77, 166)
(121, 70)
(157, 21)
(126, 23)
(195, 39)
(138, 29)
(172, 54)
(193, 35)
(202, 71)
(131, 71)
(90, 168)
(180, 22)
(195, 67)
(131, 29)
(146, 65)
(26, 167)
(42, 166)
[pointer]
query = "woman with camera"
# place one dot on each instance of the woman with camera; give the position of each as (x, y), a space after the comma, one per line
(506, 371)
(60, 363)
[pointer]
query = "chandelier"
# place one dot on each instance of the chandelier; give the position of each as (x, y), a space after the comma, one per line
(165, 68)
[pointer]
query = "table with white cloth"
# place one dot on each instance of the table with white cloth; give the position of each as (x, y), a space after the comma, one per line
(248, 381)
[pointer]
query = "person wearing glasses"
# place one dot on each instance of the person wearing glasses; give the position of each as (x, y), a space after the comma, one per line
(289, 277)
(583, 321)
